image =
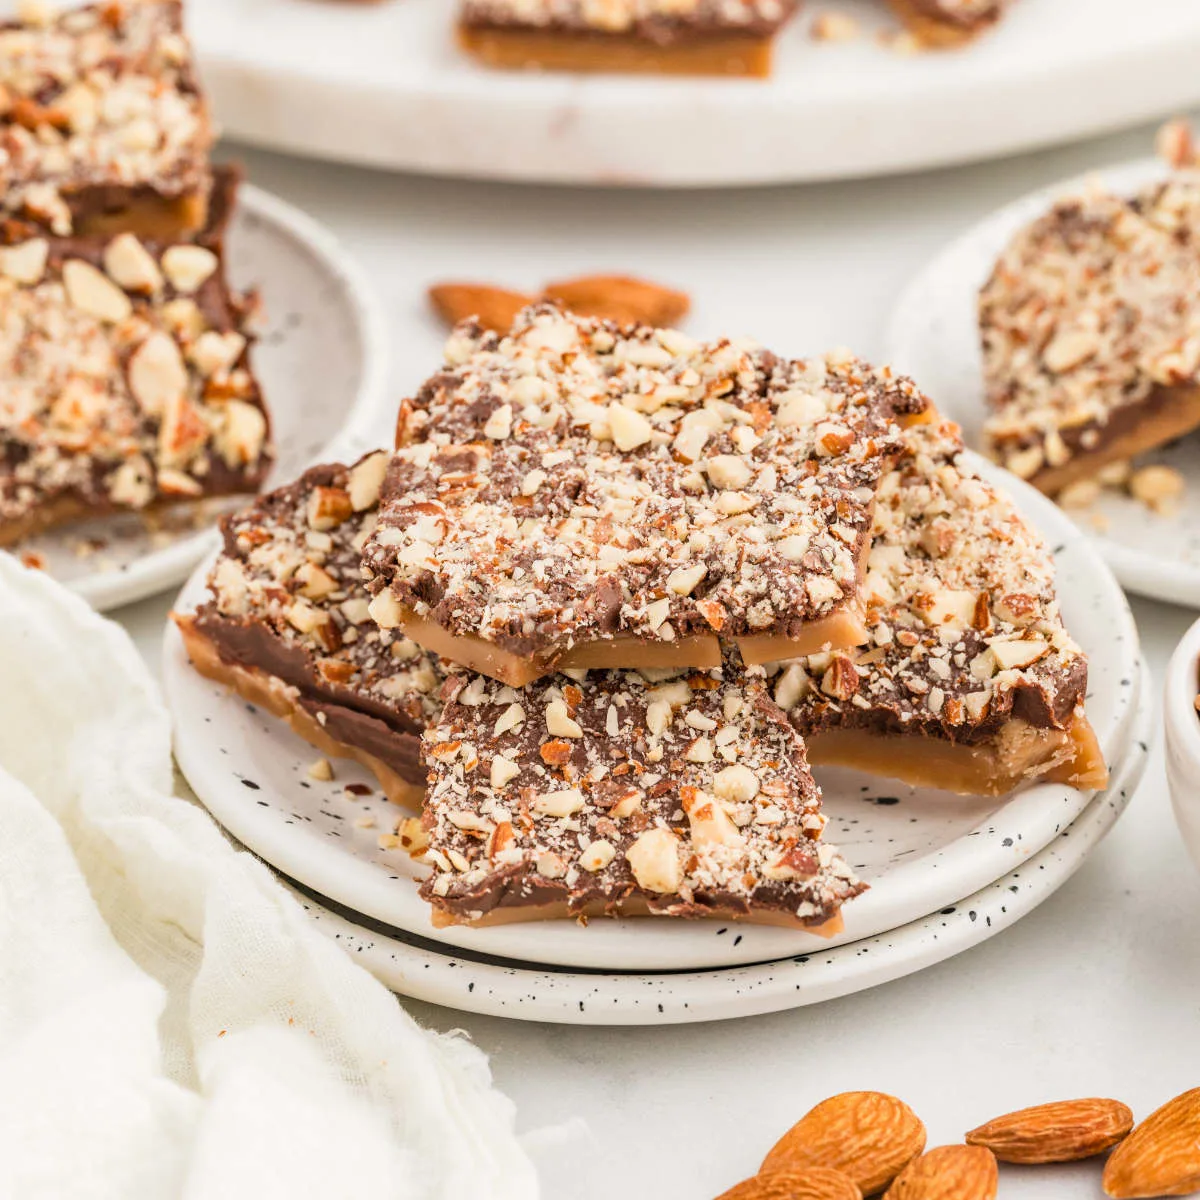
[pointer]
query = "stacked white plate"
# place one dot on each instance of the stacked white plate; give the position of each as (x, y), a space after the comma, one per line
(945, 871)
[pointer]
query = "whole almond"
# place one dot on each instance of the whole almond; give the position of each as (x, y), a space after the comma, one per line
(948, 1173)
(868, 1136)
(812, 1183)
(1161, 1157)
(620, 298)
(1060, 1132)
(495, 307)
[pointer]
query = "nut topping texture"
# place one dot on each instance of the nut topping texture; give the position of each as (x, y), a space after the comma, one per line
(578, 481)
(97, 103)
(288, 601)
(688, 796)
(1091, 313)
(966, 632)
(117, 391)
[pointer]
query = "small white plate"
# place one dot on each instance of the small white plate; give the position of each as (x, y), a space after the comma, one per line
(384, 85)
(322, 363)
(420, 969)
(934, 336)
(919, 849)
(1181, 725)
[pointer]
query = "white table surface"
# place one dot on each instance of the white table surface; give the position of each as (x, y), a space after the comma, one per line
(1097, 993)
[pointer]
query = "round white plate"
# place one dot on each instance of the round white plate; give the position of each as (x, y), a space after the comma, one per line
(322, 363)
(919, 849)
(420, 969)
(383, 84)
(934, 336)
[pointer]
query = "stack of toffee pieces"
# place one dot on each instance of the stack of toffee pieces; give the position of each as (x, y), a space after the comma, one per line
(611, 593)
(124, 377)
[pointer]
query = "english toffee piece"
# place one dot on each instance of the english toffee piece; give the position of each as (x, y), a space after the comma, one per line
(687, 37)
(970, 682)
(578, 494)
(125, 381)
(102, 123)
(948, 23)
(616, 796)
(1090, 326)
(287, 627)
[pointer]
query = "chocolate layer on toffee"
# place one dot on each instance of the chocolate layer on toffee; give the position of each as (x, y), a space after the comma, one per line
(578, 494)
(693, 37)
(1090, 325)
(125, 380)
(614, 796)
(971, 683)
(103, 126)
(287, 627)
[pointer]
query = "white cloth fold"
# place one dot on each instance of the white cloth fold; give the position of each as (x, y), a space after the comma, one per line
(171, 1024)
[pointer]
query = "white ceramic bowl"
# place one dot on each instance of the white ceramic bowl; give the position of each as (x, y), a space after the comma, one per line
(1182, 724)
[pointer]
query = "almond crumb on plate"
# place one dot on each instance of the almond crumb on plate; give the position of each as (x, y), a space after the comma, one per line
(321, 770)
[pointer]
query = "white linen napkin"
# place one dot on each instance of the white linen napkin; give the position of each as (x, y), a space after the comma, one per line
(171, 1024)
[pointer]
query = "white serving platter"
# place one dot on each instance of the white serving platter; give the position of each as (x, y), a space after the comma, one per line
(919, 849)
(933, 335)
(425, 971)
(384, 85)
(323, 365)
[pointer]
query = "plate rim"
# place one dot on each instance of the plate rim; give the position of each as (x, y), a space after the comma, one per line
(329, 102)
(455, 982)
(1143, 574)
(162, 569)
(368, 889)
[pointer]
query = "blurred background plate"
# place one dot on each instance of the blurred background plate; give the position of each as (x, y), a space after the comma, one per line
(384, 85)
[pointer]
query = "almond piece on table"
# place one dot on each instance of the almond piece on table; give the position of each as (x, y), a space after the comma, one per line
(948, 1173)
(1161, 1157)
(495, 307)
(812, 1183)
(868, 1136)
(620, 298)
(1059, 1132)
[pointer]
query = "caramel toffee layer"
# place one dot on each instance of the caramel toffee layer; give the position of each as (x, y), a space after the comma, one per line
(968, 658)
(101, 113)
(949, 22)
(663, 23)
(288, 605)
(580, 494)
(1090, 326)
(615, 796)
(125, 380)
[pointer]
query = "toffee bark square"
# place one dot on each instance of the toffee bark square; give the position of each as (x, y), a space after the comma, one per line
(287, 627)
(125, 381)
(103, 126)
(946, 24)
(674, 37)
(971, 682)
(578, 494)
(1090, 326)
(612, 796)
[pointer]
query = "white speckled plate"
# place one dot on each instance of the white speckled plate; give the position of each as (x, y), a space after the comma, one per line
(421, 969)
(384, 84)
(934, 336)
(919, 849)
(322, 363)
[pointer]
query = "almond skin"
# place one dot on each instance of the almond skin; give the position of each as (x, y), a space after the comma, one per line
(620, 298)
(1060, 1132)
(1161, 1157)
(496, 308)
(949, 1173)
(868, 1136)
(813, 1183)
